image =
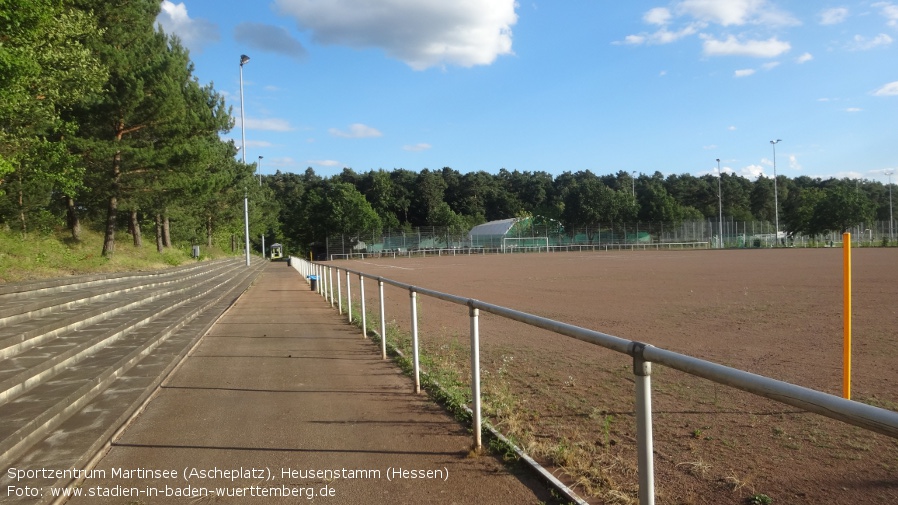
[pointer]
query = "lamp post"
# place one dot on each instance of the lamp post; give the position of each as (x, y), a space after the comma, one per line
(243, 59)
(633, 180)
(889, 173)
(776, 205)
(260, 171)
(720, 206)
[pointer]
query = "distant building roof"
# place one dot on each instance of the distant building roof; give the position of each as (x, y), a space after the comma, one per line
(499, 227)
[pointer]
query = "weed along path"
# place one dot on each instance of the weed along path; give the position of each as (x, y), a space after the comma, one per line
(282, 401)
(776, 313)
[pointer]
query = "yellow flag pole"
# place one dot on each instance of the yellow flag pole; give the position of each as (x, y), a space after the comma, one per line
(846, 323)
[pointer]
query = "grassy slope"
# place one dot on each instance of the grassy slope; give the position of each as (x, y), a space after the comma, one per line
(47, 256)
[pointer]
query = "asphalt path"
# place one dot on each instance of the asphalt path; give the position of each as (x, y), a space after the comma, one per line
(283, 402)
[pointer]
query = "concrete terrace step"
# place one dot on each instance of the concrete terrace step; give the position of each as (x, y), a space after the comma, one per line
(117, 360)
(29, 289)
(33, 330)
(35, 363)
(19, 306)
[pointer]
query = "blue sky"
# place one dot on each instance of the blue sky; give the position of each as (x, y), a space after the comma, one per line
(557, 86)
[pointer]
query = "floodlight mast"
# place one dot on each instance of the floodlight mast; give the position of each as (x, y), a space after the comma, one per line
(891, 236)
(243, 59)
(720, 206)
(776, 205)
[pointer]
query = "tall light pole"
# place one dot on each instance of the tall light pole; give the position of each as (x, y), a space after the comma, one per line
(260, 185)
(243, 59)
(776, 204)
(633, 180)
(719, 205)
(889, 173)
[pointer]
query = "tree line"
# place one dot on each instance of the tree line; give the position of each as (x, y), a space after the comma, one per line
(103, 124)
(315, 207)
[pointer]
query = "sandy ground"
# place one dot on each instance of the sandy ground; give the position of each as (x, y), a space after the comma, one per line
(776, 313)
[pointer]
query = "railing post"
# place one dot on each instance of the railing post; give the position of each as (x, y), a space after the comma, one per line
(414, 299)
(348, 298)
(322, 281)
(364, 316)
(383, 321)
(330, 288)
(339, 294)
(642, 370)
(475, 373)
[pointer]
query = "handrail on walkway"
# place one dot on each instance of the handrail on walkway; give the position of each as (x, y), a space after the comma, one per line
(851, 412)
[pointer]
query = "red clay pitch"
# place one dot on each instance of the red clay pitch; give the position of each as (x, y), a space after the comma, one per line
(776, 313)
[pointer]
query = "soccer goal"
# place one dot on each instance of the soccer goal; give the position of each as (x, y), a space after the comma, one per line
(524, 244)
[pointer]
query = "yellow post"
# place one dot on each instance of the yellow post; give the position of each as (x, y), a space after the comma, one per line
(846, 323)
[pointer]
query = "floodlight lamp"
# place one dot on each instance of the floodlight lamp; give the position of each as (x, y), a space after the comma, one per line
(243, 59)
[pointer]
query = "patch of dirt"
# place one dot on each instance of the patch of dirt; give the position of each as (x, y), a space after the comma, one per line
(776, 313)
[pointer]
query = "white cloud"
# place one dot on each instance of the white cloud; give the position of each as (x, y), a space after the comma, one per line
(890, 89)
(745, 72)
(662, 36)
(731, 128)
(736, 12)
(793, 162)
(889, 11)
(861, 43)
(324, 163)
(194, 33)
(269, 38)
(283, 161)
(417, 147)
(752, 172)
(422, 33)
(833, 16)
(853, 109)
(657, 16)
(804, 58)
(356, 131)
(665, 36)
(633, 40)
(847, 175)
(769, 48)
(270, 124)
(770, 65)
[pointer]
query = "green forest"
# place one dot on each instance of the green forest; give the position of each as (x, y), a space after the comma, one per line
(103, 126)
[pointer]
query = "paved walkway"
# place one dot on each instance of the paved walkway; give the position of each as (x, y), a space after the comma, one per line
(282, 397)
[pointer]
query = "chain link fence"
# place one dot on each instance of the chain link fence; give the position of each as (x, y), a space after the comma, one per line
(711, 233)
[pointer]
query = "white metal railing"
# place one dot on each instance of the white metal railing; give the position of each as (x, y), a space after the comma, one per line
(858, 414)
